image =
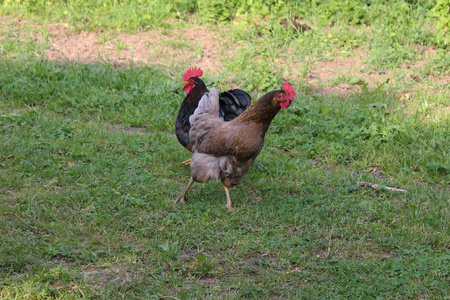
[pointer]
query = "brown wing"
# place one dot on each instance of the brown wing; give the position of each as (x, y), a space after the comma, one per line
(209, 135)
(214, 136)
(208, 131)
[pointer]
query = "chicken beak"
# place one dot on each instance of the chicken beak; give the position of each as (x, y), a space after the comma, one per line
(291, 100)
(185, 82)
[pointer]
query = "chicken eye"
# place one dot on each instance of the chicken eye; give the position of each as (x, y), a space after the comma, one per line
(281, 97)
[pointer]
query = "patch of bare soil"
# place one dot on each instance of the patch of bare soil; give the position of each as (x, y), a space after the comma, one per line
(192, 46)
(354, 67)
(350, 67)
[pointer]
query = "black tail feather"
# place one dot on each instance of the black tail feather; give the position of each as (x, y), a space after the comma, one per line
(233, 103)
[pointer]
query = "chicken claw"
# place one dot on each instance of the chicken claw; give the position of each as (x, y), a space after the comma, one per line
(183, 193)
(180, 197)
(187, 162)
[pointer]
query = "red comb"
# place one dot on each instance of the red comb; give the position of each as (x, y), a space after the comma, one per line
(192, 72)
(288, 88)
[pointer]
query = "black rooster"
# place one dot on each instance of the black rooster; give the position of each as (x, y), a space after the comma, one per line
(232, 104)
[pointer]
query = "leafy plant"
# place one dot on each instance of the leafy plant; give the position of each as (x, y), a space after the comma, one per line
(441, 11)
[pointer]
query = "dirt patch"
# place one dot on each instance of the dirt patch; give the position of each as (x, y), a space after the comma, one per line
(353, 68)
(326, 70)
(182, 46)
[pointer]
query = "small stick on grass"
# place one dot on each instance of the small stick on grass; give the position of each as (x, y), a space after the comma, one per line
(375, 186)
(9, 191)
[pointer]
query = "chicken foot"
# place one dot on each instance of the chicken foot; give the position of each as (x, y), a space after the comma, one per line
(191, 181)
(227, 194)
(187, 162)
(183, 193)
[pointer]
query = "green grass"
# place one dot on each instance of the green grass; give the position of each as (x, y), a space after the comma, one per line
(90, 166)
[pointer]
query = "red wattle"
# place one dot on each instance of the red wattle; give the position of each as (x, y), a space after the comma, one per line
(285, 104)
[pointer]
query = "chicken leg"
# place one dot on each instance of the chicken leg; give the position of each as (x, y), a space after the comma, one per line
(187, 162)
(181, 196)
(227, 194)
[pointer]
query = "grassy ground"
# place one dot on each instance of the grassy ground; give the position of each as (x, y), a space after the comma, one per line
(89, 166)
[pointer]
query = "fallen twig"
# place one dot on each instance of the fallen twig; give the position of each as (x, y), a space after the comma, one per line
(9, 191)
(375, 186)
